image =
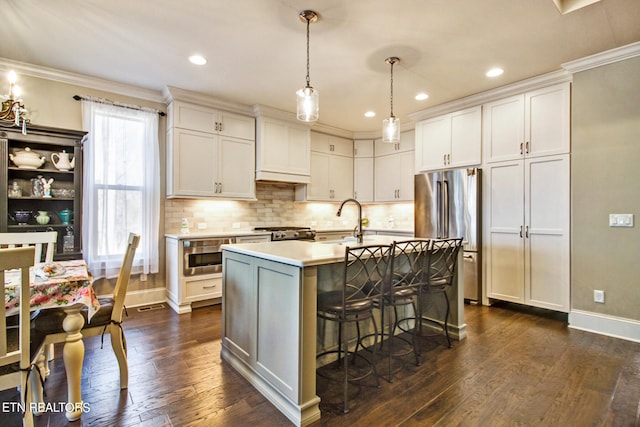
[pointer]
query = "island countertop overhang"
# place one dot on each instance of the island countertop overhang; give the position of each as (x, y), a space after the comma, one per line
(300, 253)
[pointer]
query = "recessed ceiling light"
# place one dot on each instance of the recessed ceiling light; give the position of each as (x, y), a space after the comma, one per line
(370, 114)
(197, 59)
(494, 72)
(421, 96)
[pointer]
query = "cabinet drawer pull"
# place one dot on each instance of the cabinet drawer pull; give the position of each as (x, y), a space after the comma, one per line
(520, 231)
(521, 152)
(526, 147)
(526, 232)
(444, 159)
(209, 286)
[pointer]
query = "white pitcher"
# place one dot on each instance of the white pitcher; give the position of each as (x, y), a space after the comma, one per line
(62, 162)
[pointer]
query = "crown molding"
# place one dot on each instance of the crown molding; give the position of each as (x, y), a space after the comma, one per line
(493, 94)
(171, 93)
(603, 58)
(81, 80)
(404, 127)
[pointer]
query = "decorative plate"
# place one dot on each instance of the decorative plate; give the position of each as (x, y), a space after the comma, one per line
(50, 269)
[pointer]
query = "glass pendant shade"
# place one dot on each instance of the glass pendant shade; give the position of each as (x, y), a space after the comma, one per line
(308, 102)
(391, 130)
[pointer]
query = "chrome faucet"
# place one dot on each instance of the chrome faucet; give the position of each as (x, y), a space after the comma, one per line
(358, 230)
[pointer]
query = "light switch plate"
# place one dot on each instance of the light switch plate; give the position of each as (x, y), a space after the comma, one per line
(620, 220)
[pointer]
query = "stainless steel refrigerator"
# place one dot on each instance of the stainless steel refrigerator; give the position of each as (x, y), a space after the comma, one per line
(447, 204)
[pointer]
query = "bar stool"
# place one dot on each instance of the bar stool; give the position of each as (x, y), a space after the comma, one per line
(365, 277)
(443, 259)
(408, 259)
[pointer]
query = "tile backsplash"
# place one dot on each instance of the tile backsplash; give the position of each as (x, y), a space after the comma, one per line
(275, 206)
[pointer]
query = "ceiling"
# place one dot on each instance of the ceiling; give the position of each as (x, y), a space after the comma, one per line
(256, 48)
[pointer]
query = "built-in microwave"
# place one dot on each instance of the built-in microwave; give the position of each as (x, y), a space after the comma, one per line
(203, 256)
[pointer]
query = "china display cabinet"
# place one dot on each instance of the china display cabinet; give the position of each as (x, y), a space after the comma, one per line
(41, 184)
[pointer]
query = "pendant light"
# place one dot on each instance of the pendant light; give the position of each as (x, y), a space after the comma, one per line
(307, 97)
(391, 126)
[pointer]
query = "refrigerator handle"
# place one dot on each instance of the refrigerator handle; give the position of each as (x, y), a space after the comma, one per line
(439, 209)
(445, 210)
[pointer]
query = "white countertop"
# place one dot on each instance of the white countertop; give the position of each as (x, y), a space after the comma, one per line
(204, 234)
(301, 253)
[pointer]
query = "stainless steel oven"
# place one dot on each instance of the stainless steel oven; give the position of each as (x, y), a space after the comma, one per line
(203, 256)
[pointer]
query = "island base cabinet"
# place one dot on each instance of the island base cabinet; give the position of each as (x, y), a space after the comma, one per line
(269, 331)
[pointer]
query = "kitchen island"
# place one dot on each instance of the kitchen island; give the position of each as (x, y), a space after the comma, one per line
(269, 332)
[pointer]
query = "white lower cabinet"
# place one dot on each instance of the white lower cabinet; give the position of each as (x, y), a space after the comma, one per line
(202, 287)
(182, 291)
(527, 225)
(394, 177)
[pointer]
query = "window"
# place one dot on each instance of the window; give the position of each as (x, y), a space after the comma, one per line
(121, 187)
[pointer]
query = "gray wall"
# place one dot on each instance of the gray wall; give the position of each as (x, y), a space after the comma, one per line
(605, 178)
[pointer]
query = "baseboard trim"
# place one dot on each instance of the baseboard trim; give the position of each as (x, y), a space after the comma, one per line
(617, 327)
(145, 297)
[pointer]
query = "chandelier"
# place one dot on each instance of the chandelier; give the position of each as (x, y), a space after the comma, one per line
(13, 110)
(307, 98)
(391, 126)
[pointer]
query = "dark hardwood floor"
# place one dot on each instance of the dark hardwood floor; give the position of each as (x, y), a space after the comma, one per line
(518, 366)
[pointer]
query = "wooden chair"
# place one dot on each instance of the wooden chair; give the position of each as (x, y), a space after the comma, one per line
(44, 243)
(19, 347)
(106, 321)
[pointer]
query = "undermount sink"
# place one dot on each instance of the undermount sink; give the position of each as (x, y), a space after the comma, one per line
(350, 241)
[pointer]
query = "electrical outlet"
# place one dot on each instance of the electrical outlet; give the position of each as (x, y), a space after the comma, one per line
(598, 296)
(202, 225)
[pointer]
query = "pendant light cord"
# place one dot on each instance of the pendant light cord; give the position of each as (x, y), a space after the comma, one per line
(308, 79)
(391, 97)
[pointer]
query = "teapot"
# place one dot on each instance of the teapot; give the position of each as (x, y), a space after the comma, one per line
(27, 159)
(62, 162)
(21, 216)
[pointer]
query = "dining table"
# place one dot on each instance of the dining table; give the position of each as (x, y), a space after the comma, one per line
(66, 285)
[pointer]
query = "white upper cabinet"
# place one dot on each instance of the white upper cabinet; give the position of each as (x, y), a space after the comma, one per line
(331, 169)
(394, 177)
(282, 151)
(199, 118)
(407, 143)
(205, 165)
(363, 170)
(363, 148)
(323, 143)
(448, 141)
(210, 153)
(533, 124)
(394, 169)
